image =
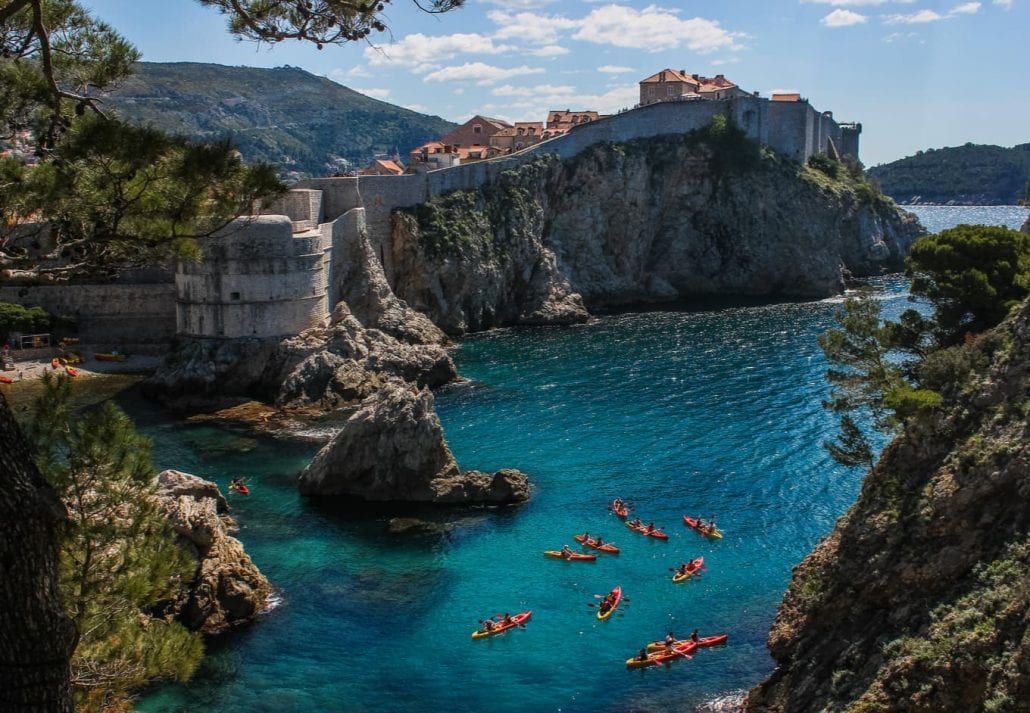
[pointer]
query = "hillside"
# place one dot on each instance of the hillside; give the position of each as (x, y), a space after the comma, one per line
(973, 174)
(285, 115)
(918, 600)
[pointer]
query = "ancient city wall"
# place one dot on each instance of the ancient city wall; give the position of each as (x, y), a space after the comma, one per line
(107, 316)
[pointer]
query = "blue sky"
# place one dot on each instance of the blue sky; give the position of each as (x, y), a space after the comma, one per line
(917, 73)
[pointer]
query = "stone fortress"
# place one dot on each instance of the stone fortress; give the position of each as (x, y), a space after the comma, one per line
(273, 275)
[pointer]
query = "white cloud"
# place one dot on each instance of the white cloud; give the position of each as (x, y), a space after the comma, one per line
(418, 50)
(966, 8)
(1007, 4)
(537, 105)
(547, 51)
(507, 90)
(916, 18)
(653, 29)
(420, 108)
(479, 72)
(898, 36)
(721, 62)
(843, 3)
(341, 76)
(374, 93)
(614, 69)
(519, 3)
(843, 18)
(530, 27)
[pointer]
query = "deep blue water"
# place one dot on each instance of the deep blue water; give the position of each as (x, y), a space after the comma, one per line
(709, 412)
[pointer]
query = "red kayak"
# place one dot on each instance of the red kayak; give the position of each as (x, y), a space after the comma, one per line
(607, 547)
(644, 531)
(706, 641)
(614, 598)
(679, 649)
(499, 627)
(574, 556)
(622, 512)
(713, 533)
(6, 379)
(240, 488)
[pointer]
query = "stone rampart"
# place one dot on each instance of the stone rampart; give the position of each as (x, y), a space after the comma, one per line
(257, 279)
(115, 315)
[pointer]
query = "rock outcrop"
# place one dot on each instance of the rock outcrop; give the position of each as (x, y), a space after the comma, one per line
(918, 600)
(228, 589)
(392, 449)
(669, 218)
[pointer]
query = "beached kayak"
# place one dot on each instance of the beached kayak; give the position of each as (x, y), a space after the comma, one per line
(691, 522)
(616, 597)
(622, 512)
(607, 547)
(692, 567)
(662, 656)
(573, 556)
(72, 371)
(55, 363)
(643, 531)
(500, 627)
(706, 641)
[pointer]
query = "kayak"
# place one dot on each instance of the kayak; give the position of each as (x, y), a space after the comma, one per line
(657, 657)
(71, 370)
(500, 627)
(608, 547)
(692, 567)
(643, 531)
(55, 362)
(240, 488)
(112, 356)
(616, 595)
(706, 641)
(622, 512)
(6, 380)
(573, 556)
(691, 522)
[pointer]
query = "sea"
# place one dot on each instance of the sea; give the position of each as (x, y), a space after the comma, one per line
(709, 412)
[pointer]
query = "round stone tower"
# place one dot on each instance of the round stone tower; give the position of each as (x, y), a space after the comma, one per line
(256, 279)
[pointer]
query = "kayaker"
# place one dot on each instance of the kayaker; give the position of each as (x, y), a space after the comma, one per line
(598, 542)
(618, 505)
(701, 524)
(693, 636)
(566, 551)
(650, 527)
(642, 656)
(507, 618)
(488, 625)
(636, 522)
(586, 537)
(683, 568)
(670, 639)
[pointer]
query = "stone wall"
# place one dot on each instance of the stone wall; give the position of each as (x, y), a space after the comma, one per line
(257, 279)
(108, 316)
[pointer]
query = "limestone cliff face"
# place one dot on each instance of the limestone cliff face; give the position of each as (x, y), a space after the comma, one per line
(228, 588)
(918, 600)
(668, 218)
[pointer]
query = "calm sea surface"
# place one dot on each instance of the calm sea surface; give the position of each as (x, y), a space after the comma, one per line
(712, 412)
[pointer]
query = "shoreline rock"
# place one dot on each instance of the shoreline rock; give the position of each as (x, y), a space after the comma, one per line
(228, 588)
(392, 449)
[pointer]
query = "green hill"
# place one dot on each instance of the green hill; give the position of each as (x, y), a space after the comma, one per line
(973, 174)
(286, 116)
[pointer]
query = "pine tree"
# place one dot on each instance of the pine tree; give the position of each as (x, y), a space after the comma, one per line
(119, 560)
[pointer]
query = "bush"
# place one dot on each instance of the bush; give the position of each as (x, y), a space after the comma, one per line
(824, 163)
(18, 318)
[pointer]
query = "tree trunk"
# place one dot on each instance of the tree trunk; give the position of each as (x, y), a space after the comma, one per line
(36, 636)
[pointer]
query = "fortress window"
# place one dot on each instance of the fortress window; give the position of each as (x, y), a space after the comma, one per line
(477, 129)
(234, 295)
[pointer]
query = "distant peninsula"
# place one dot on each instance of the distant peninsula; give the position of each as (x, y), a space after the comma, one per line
(972, 174)
(308, 125)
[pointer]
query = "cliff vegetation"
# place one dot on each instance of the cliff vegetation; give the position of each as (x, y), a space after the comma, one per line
(918, 600)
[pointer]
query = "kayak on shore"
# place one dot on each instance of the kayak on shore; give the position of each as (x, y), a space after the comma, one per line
(497, 625)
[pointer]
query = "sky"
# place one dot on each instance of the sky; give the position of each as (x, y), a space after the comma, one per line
(917, 74)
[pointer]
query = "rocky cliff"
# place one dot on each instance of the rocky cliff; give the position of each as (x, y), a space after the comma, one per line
(228, 588)
(667, 218)
(918, 600)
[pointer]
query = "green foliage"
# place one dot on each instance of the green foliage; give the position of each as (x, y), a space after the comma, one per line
(28, 320)
(451, 221)
(732, 150)
(970, 174)
(119, 559)
(304, 132)
(826, 164)
(973, 275)
(851, 447)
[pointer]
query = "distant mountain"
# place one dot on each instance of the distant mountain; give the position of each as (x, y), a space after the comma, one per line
(963, 175)
(303, 123)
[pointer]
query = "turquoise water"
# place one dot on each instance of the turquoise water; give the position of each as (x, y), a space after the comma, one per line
(680, 412)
